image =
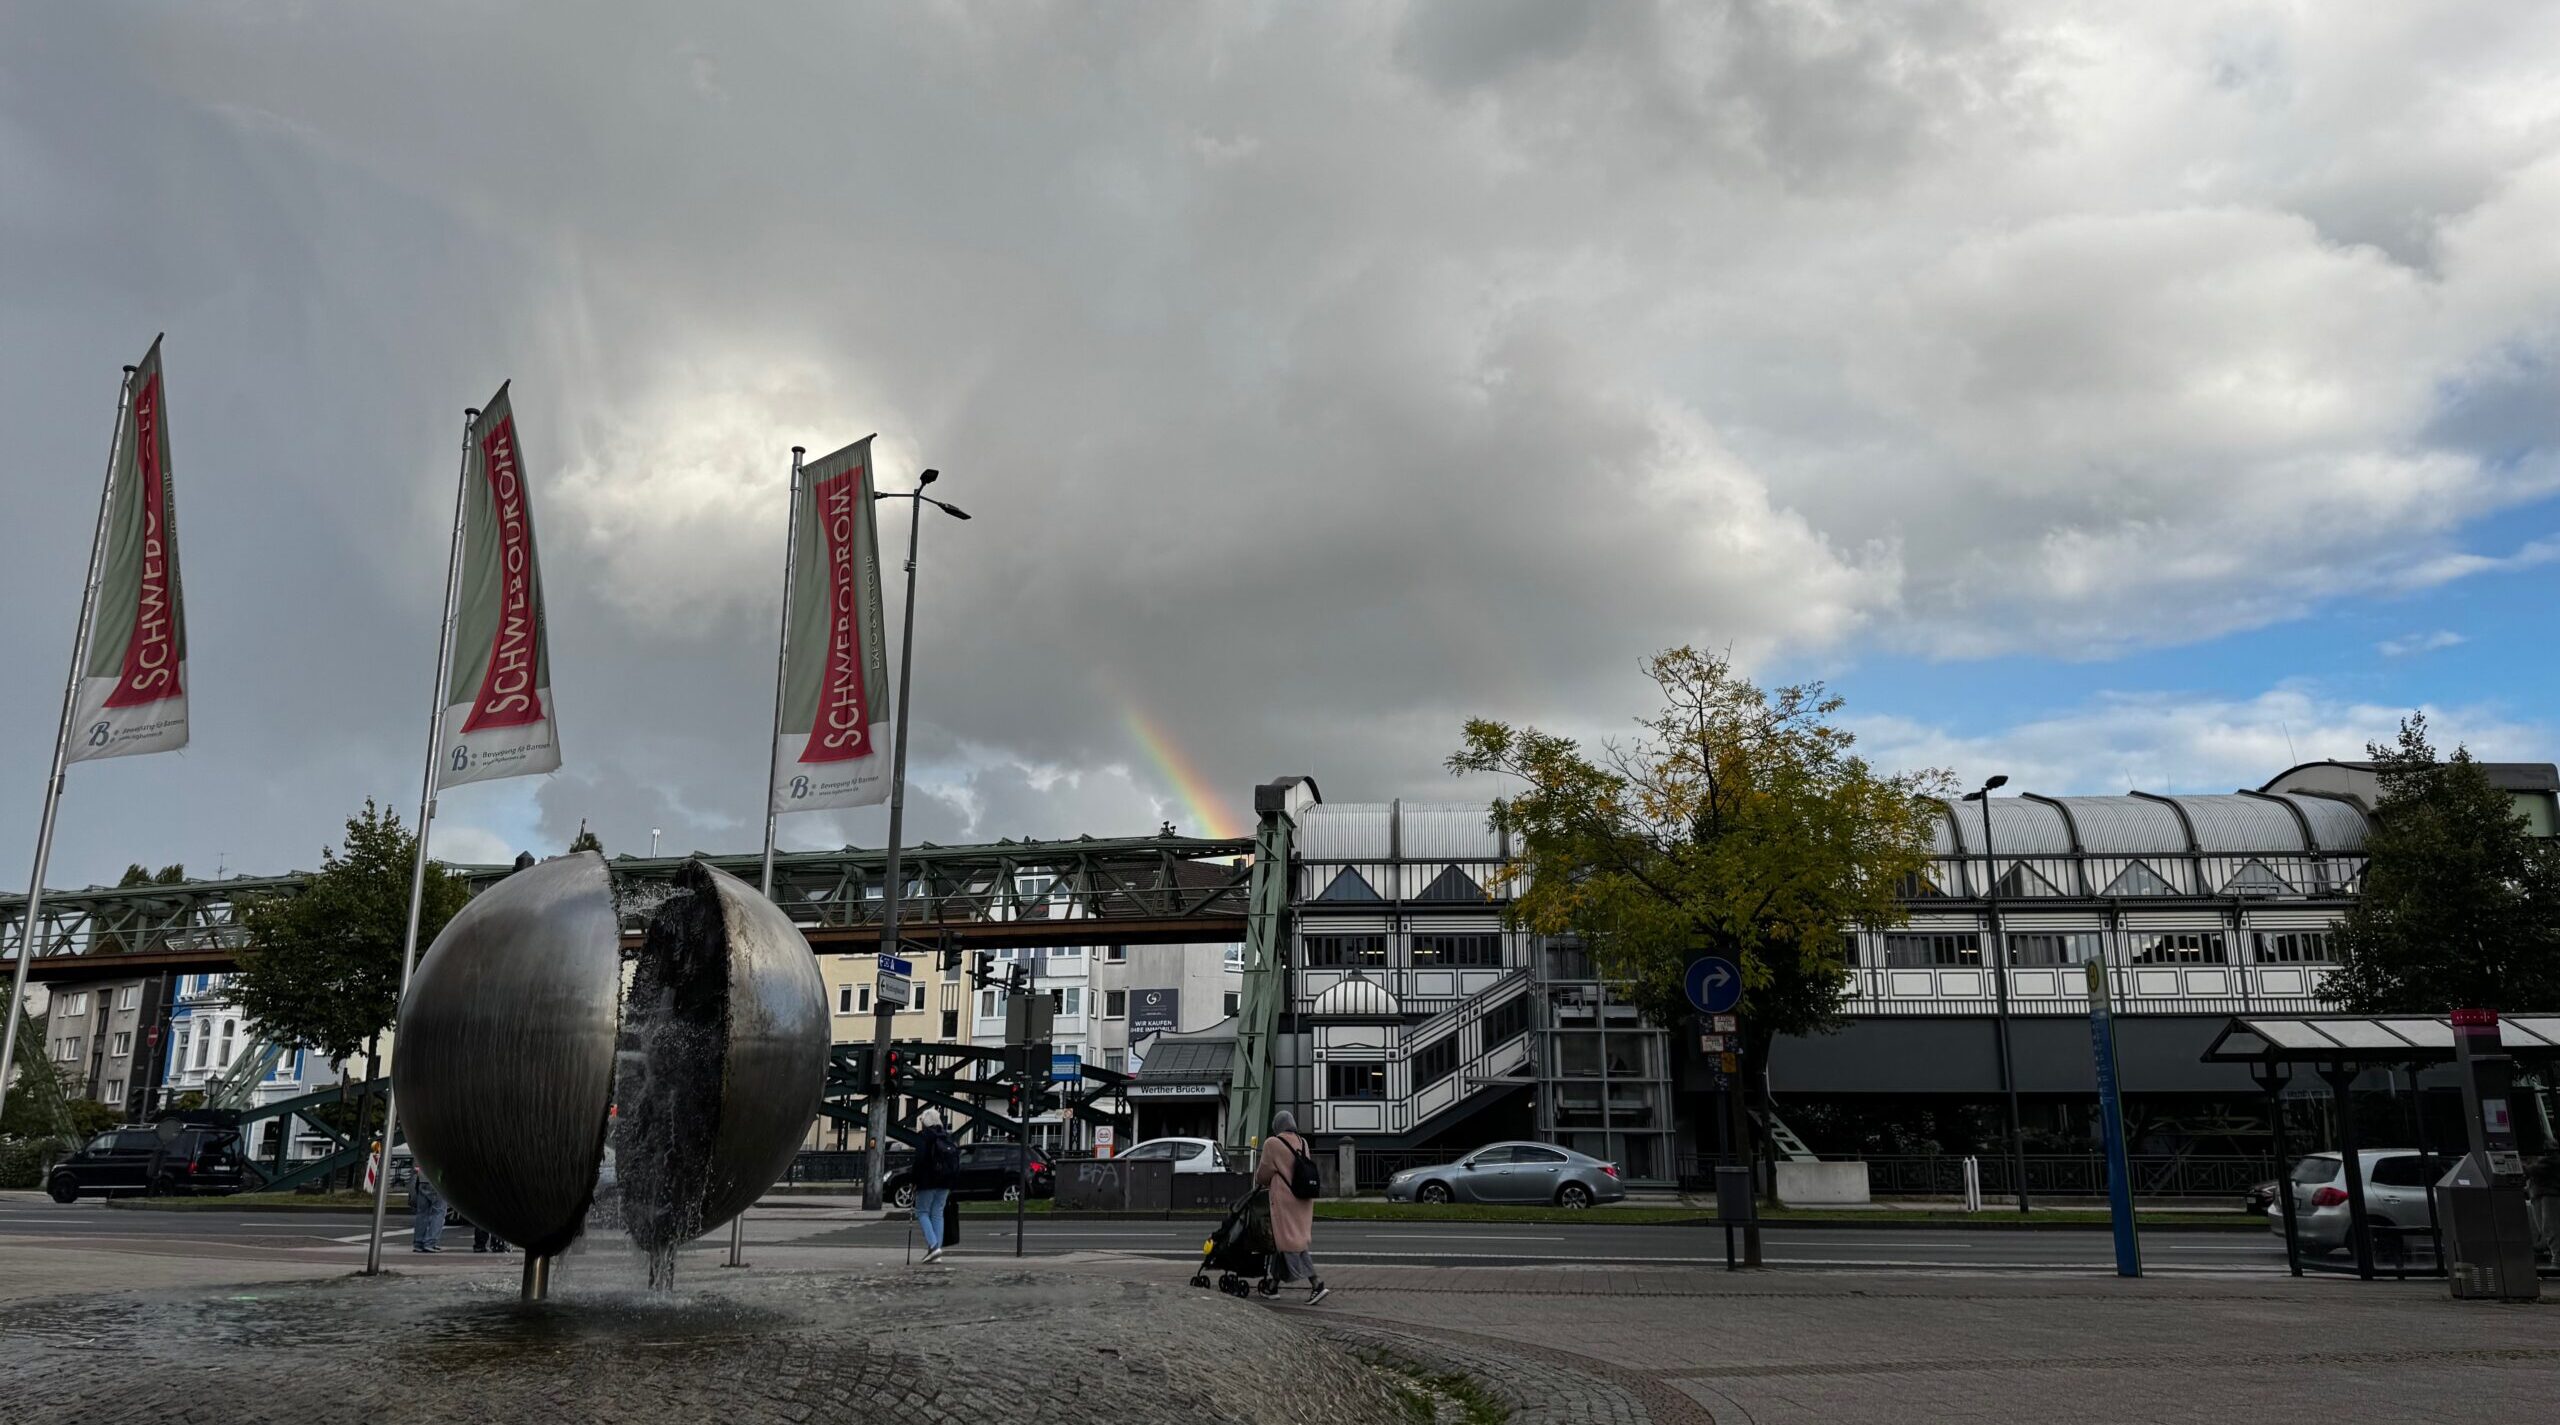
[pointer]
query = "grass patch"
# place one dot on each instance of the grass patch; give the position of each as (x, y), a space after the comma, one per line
(1034, 1208)
(260, 1202)
(1430, 1397)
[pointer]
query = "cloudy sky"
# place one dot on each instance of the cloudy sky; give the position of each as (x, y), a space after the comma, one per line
(2099, 394)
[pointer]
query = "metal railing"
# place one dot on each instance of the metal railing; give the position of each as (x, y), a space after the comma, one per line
(1376, 1168)
(2070, 1174)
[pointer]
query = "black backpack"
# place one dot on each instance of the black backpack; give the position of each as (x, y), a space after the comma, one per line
(943, 1154)
(1306, 1178)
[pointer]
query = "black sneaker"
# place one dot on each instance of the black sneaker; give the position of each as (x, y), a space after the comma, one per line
(1318, 1292)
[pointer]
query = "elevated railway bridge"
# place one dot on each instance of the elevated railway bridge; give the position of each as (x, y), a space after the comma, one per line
(1153, 890)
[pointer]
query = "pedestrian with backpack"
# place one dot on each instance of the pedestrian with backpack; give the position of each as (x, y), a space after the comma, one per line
(937, 1168)
(1289, 1171)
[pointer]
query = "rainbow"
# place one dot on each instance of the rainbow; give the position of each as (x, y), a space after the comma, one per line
(1209, 814)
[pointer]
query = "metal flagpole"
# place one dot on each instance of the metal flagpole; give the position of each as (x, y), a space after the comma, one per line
(61, 747)
(773, 762)
(426, 820)
(876, 1158)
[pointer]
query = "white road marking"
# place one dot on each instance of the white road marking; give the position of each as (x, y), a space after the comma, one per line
(367, 1236)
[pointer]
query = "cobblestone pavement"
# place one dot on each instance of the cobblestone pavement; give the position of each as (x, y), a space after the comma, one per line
(929, 1345)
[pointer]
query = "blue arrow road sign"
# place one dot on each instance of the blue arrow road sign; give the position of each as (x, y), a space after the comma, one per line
(1714, 984)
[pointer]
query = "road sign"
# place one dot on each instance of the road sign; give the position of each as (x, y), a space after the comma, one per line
(896, 965)
(1710, 1043)
(1726, 1024)
(895, 991)
(1732, 1063)
(1065, 1068)
(1714, 984)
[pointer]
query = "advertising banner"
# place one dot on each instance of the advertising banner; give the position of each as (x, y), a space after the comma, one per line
(834, 745)
(1154, 1012)
(133, 677)
(498, 716)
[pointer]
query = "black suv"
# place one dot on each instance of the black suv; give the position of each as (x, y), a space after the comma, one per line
(163, 1162)
(987, 1171)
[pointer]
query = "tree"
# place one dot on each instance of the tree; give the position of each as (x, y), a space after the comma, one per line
(321, 969)
(136, 875)
(2460, 904)
(585, 840)
(1739, 823)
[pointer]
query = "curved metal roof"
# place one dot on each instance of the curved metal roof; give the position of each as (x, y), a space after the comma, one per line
(1446, 831)
(1356, 997)
(2233, 824)
(1345, 831)
(1379, 831)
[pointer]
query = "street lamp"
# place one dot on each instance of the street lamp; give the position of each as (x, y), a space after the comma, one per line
(882, 1012)
(2000, 980)
(653, 841)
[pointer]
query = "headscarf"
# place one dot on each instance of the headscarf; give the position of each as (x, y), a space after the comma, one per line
(932, 1118)
(1283, 1122)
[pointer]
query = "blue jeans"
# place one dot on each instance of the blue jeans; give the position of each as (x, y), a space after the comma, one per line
(426, 1220)
(929, 1203)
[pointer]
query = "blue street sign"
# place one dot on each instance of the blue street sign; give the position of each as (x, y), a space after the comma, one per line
(1065, 1068)
(1714, 984)
(892, 965)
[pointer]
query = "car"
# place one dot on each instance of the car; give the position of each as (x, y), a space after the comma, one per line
(988, 1171)
(168, 1160)
(1189, 1155)
(2395, 1196)
(2259, 1197)
(1513, 1173)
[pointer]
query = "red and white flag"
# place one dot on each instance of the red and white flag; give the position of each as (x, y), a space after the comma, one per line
(834, 747)
(133, 675)
(498, 713)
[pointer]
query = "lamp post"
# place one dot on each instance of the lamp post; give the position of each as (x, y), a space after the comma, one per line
(882, 1012)
(653, 842)
(2000, 981)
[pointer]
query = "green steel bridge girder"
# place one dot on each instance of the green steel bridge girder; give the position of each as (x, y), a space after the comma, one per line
(1250, 1088)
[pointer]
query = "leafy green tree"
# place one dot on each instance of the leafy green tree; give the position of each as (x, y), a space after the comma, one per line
(585, 840)
(1738, 823)
(321, 969)
(2460, 904)
(137, 875)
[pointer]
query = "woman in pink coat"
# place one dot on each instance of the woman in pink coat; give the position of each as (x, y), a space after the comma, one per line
(1293, 1218)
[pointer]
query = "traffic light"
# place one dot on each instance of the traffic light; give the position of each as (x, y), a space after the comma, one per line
(897, 1065)
(1013, 1101)
(949, 958)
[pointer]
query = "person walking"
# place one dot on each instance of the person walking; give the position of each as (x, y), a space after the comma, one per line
(937, 1168)
(426, 1212)
(1290, 1172)
(484, 1240)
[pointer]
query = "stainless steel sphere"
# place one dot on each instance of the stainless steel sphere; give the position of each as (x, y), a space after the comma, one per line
(503, 1065)
(515, 1041)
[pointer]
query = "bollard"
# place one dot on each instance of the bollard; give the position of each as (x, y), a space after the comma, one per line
(1736, 1207)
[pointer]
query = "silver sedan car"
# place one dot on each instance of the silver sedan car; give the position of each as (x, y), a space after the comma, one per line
(1525, 1174)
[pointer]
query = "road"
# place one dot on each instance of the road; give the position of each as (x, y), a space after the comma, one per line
(774, 1231)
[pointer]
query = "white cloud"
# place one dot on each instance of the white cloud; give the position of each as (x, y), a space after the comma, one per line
(2407, 644)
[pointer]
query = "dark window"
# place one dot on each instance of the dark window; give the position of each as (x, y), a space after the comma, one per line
(2022, 880)
(1355, 1081)
(1233, 1004)
(1568, 962)
(144, 1141)
(1494, 1157)
(1506, 1022)
(1115, 1004)
(1536, 1155)
(2407, 1170)
(951, 1024)
(1435, 1061)
(1473, 951)
(1918, 885)
(2044, 948)
(2138, 879)
(2294, 947)
(2179, 948)
(1346, 952)
(1921, 951)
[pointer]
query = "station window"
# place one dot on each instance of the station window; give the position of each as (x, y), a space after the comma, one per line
(1346, 952)
(2053, 948)
(2295, 947)
(2179, 948)
(1435, 1061)
(1506, 1022)
(1355, 1081)
(1470, 951)
(1925, 951)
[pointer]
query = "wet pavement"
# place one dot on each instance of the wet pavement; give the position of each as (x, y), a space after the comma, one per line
(930, 1344)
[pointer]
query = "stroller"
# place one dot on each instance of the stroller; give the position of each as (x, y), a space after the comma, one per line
(1241, 1247)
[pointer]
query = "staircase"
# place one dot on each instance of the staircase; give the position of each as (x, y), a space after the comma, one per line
(1482, 1073)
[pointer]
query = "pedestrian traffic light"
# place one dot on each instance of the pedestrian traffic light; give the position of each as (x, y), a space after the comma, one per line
(950, 958)
(1013, 1101)
(897, 1063)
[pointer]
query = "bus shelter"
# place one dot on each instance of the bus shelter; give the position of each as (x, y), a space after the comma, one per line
(2338, 1048)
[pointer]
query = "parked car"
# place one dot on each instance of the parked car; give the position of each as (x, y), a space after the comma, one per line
(139, 1159)
(2260, 1196)
(1189, 1155)
(987, 1171)
(2395, 1195)
(1513, 1173)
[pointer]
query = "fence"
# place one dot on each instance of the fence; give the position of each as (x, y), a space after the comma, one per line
(1376, 1168)
(2048, 1174)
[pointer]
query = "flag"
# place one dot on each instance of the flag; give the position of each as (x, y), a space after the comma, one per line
(498, 712)
(133, 676)
(834, 719)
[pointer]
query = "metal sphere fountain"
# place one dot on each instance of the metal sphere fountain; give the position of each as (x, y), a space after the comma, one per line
(522, 1058)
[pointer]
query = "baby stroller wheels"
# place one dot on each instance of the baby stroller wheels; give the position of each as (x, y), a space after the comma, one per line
(1200, 1279)
(1270, 1286)
(1233, 1285)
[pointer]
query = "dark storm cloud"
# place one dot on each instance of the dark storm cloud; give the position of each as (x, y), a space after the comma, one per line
(1318, 376)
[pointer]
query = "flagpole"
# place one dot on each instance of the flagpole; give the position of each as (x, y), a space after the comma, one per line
(61, 747)
(426, 819)
(773, 754)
